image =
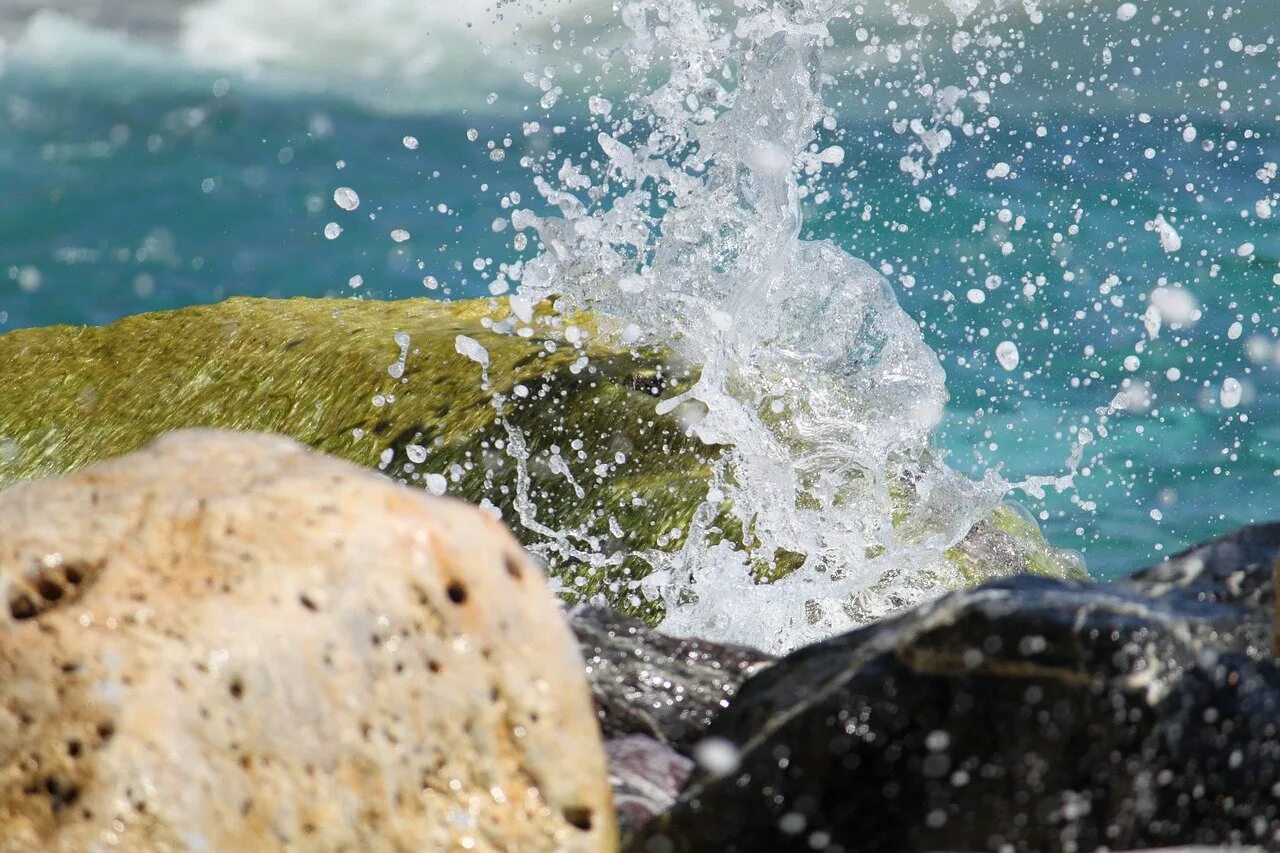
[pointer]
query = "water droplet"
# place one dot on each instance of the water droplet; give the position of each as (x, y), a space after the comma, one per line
(346, 198)
(1007, 355)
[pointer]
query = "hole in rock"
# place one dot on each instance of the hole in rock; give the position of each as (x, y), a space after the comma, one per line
(579, 816)
(48, 590)
(61, 792)
(457, 592)
(21, 606)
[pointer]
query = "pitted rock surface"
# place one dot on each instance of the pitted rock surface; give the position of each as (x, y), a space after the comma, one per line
(227, 642)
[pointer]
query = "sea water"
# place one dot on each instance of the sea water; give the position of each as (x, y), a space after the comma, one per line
(1070, 202)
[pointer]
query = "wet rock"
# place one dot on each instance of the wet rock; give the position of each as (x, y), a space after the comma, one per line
(382, 384)
(644, 682)
(226, 642)
(646, 776)
(1232, 569)
(1026, 714)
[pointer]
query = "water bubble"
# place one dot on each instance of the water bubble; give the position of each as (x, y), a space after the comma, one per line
(410, 142)
(717, 756)
(332, 231)
(1231, 393)
(1127, 11)
(1007, 355)
(399, 235)
(472, 349)
(346, 198)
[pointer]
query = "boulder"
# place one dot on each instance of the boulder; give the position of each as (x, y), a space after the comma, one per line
(646, 683)
(1025, 714)
(392, 386)
(228, 642)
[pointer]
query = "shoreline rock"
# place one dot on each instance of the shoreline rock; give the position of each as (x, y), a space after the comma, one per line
(384, 385)
(226, 641)
(1024, 714)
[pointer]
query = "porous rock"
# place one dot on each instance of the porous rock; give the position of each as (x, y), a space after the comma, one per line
(227, 642)
(1026, 714)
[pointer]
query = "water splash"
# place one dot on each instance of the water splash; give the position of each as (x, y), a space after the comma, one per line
(820, 384)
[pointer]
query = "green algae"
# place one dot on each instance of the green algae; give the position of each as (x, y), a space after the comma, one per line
(328, 373)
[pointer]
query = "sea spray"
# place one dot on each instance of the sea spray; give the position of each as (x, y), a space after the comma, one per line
(820, 386)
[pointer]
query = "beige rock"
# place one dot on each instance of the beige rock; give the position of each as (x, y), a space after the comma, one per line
(226, 642)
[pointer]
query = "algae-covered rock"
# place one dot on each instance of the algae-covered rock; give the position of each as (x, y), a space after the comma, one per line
(552, 425)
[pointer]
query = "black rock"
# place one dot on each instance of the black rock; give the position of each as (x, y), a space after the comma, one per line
(1236, 569)
(1026, 714)
(647, 683)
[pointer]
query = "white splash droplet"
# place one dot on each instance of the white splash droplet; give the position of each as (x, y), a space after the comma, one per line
(472, 349)
(1231, 393)
(346, 198)
(1007, 355)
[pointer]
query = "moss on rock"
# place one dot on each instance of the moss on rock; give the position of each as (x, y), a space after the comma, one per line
(325, 373)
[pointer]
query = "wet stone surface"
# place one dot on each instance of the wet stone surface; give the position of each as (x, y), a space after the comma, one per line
(644, 682)
(1025, 714)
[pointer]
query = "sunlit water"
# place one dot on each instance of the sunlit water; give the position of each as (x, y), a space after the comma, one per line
(160, 168)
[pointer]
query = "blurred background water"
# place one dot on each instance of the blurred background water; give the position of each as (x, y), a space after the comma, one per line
(155, 155)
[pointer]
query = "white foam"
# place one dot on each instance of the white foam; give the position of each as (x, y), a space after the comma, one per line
(820, 384)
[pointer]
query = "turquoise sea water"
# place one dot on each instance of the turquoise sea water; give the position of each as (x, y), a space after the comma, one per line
(137, 186)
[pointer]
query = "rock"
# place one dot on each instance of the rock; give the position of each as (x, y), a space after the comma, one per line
(646, 776)
(1232, 569)
(385, 385)
(227, 642)
(1026, 714)
(647, 683)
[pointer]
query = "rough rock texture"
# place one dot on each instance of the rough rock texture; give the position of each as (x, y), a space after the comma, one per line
(644, 682)
(1028, 714)
(646, 776)
(332, 374)
(227, 642)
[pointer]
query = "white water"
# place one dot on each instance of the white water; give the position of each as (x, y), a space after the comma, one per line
(823, 386)
(403, 56)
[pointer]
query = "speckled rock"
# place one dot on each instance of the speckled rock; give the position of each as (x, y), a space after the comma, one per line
(1026, 715)
(227, 642)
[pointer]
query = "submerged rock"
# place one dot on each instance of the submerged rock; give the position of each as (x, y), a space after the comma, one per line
(556, 431)
(226, 641)
(1026, 714)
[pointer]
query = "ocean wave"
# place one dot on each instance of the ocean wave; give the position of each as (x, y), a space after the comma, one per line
(391, 55)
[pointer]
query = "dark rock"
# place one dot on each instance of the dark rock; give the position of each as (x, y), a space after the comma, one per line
(1235, 569)
(647, 683)
(646, 776)
(1027, 714)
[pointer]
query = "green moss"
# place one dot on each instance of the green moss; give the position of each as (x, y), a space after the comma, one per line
(317, 370)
